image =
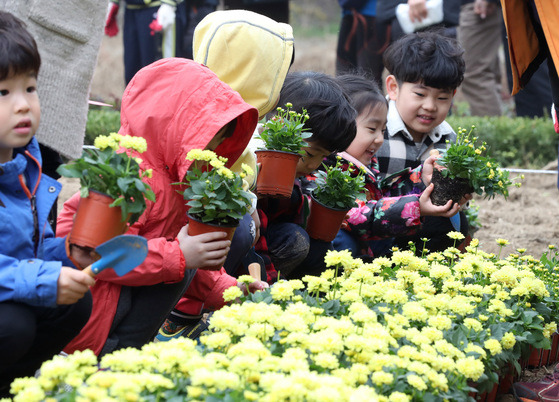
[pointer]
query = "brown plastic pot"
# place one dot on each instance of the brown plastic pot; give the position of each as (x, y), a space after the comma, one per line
(197, 227)
(95, 221)
(324, 222)
(276, 173)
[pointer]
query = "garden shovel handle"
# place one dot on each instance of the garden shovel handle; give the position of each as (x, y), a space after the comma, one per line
(88, 271)
(254, 271)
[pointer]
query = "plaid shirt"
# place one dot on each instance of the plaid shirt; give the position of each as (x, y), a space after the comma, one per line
(400, 151)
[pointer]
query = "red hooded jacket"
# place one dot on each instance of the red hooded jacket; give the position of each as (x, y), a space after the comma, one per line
(176, 105)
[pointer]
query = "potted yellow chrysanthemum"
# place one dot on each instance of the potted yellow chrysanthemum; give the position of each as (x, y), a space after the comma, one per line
(113, 193)
(215, 194)
(284, 137)
(466, 168)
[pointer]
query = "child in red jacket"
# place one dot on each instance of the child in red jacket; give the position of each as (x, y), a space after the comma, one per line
(176, 105)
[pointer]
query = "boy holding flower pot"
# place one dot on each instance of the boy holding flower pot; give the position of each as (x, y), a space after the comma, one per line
(284, 243)
(44, 300)
(425, 69)
(392, 209)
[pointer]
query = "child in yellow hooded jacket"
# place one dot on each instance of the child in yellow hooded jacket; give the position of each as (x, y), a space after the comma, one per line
(252, 54)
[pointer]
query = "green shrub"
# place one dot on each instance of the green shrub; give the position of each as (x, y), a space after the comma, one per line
(101, 122)
(520, 141)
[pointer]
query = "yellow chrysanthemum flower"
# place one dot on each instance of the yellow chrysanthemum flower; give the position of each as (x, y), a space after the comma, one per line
(232, 293)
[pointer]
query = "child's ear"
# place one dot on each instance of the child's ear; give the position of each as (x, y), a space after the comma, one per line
(392, 87)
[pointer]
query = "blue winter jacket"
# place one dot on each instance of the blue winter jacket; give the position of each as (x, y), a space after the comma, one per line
(29, 269)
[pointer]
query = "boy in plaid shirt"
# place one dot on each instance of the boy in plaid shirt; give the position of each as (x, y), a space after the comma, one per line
(425, 68)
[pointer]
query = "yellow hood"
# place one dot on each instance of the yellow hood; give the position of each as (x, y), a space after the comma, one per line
(248, 51)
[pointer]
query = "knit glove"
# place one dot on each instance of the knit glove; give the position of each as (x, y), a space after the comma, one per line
(111, 26)
(166, 16)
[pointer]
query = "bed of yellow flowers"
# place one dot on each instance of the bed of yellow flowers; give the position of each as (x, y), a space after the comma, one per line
(405, 328)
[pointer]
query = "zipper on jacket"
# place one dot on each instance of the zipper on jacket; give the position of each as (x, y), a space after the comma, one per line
(33, 202)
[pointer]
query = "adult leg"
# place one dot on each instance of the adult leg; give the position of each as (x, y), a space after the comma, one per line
(371, 43)
(141, 311)
(534, 100)
(131, 51)
(195, 14)
(554, 80)
(481, 39)
(345, 51)
(149, 45)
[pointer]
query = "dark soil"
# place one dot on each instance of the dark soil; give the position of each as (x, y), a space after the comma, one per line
(447, 188)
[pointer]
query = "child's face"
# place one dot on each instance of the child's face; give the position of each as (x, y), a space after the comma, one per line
(371, 124)
(422, 108)
(217, 139)
(20, 113)
(314, 155)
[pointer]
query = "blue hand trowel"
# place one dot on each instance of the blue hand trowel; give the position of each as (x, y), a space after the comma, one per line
(122, 253)
(455, 220)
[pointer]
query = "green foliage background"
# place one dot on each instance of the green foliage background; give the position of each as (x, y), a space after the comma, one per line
(513, 141)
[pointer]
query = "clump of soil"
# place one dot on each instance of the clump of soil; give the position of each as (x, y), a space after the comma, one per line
(447, 188)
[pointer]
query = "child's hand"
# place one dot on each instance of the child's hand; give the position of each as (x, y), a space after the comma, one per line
(427, 208)
(72, 285)
(203, 250)
(428, 166)
(83, 256)
(253, 286)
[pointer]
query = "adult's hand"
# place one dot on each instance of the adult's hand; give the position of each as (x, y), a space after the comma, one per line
(111, 26)
(484, 8)
(418, 10)
(166, 16)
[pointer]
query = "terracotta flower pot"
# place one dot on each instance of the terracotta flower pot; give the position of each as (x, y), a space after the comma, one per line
(506, 379)
(534, 357)
(492, 394)
(554, 348)
(544, 357)
(196, 227)
(324, 222)
(448, 189)
(95, 222)
(277, 173)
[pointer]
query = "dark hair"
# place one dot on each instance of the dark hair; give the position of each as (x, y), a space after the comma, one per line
(17, 47)
(363, 92)
(429, 57)
(331, 116)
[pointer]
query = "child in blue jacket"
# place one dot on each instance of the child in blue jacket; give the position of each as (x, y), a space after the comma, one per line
(44, 301)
